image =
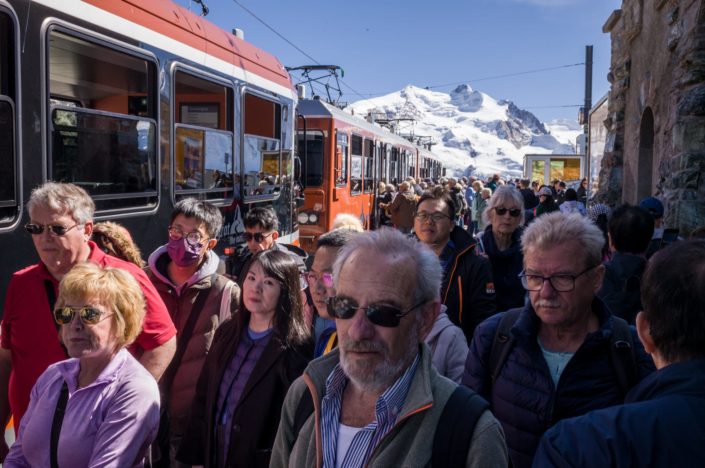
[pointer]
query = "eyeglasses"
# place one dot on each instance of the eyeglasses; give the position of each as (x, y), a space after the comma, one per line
(382, 315)
(192, 238)
(310, 279)
(54, 229)
(514, 212)
(560, 283)
(89, 316)
(258, 237)
(436, 217)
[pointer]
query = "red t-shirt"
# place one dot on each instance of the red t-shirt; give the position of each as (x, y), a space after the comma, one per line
(29, 330)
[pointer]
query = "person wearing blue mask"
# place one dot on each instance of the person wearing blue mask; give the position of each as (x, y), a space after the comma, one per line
(184, 273)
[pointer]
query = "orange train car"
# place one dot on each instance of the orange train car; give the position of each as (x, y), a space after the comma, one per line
(344, 157)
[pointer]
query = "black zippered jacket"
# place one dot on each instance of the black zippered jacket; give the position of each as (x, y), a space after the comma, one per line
(467, 289)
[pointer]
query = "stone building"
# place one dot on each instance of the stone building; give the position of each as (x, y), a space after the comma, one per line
(656, 123)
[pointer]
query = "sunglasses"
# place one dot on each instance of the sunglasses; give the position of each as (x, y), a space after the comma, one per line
(382, 315)
(258, 237)
(310, 279)
(89, 316)
(55, 229)
(514, 212)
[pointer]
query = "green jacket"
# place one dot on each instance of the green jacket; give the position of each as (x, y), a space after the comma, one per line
(408, 444)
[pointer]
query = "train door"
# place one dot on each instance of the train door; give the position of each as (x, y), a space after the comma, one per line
(10, 192)
(369, 182)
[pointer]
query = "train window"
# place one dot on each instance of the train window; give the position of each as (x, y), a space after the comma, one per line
(341, 159)
(356, 165)
(394, 167)
(369, 166)
(9, 198)
(262, 154)
(204, 166)
(314, 156)
(103, 132)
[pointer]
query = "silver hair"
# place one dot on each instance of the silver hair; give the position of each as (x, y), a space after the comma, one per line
(386, 242)
(552, 230)
(504, 194)
(59, 197)
(453, 180)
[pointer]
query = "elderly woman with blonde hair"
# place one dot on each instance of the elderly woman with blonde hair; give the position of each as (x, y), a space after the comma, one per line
(348, 221)
(501, 240)
(100, 407)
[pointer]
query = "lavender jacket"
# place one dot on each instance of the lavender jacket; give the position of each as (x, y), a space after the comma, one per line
(110, 423)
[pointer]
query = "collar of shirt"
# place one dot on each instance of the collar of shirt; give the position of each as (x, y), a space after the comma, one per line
(70, 369)
(447, 253)
(387, 410)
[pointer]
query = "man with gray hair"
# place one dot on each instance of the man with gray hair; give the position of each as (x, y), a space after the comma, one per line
(60, 224)
(519, 360)
(377, 399)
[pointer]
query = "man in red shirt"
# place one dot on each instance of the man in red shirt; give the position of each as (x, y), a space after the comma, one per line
(61, 222)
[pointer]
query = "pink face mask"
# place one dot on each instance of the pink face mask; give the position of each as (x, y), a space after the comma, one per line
(182, 253)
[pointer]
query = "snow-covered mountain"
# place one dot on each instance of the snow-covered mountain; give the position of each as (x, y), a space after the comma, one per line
(474, 134)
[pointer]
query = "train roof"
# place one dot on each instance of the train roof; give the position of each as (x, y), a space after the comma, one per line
(168, 26)
(427, 154)
(317, 108)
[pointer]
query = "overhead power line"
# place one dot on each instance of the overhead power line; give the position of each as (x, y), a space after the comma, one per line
(505, 76)
(552, 107)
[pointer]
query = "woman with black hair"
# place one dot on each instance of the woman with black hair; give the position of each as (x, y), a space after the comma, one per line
(254, 359)
(600, 215)
(547, 203)
(571, 203)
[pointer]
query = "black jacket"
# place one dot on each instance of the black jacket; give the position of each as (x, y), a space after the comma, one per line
(257, 415)
(621, 296)
(458, 199)
(467, 288)
(506, 267)
(243, 255)
(582, 195)
(531, 201)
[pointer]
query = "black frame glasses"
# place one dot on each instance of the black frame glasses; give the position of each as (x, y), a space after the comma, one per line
(513, 212)
(257, 236)
(436, 217)
(55, 229)
(382, 315)
(561, 281)
(192, 238)
(88, 315)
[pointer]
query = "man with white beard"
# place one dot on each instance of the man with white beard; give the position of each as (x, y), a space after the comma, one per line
(377, 400)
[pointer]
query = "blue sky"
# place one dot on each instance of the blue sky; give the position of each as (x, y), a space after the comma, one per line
(383, 45)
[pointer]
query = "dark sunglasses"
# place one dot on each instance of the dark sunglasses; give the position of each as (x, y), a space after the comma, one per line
(514, 212)
(89, 316)
(382, 315)
(55, 229)
(258, 237)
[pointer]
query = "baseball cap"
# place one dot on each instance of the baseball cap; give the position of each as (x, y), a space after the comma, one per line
(546, 191)
(654, 206)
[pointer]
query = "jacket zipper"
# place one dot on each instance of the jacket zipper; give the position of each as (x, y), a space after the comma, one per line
(460, 291)
(450, 278)
(317, 415)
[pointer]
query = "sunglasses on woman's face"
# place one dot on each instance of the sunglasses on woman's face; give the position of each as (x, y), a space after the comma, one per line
(514, 212)
(54, 229)
(382, 315)
(89, 316)
(258, 237)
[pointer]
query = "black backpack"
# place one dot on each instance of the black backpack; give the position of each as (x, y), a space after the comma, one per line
(454, 431)
(621, 350)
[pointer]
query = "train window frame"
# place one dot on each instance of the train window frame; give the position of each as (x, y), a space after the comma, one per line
(273, 195)
(361, 159)
(341, 161)
(314, 132)
(197, 73)
(47, 110)
(368, 162)
(13, 96)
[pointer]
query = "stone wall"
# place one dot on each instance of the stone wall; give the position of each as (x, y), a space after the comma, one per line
(658, 68)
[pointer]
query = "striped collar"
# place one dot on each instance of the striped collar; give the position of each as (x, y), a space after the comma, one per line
(387, 409)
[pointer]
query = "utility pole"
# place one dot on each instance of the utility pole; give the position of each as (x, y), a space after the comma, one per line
(588, 83)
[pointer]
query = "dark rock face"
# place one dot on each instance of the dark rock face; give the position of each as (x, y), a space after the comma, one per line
(526, 117)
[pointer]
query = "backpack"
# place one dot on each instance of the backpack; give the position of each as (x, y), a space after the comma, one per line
(621, 350)
(455, 428)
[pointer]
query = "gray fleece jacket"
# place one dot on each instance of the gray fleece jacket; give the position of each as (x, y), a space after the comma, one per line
(449, 348)
(408, 444)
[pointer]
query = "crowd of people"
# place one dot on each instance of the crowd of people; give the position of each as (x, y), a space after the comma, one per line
(486, 324)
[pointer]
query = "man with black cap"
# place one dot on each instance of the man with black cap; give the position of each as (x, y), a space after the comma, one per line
(655, 207)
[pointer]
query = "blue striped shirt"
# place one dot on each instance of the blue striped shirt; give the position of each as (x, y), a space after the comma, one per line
(387, 410)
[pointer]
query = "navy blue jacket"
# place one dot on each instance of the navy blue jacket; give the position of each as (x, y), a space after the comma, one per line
(662, 423)
(623, 303)
(524, 398)
(506, 266)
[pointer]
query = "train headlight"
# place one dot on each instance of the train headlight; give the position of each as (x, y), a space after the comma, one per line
(303, 217)
(313, 218)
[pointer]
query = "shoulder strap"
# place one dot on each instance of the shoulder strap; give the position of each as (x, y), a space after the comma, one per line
(455, 428)
(622, 356)
(185, 337)
(503, 342)
(51, 296)
(303, 412)
(57, 423)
